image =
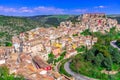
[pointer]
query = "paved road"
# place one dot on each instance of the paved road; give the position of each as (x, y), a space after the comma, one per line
(57, 66)
(112, 43)
(81, 77)
(75, 75)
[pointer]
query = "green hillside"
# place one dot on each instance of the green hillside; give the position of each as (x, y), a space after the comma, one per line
(10, 25)
(50, 20)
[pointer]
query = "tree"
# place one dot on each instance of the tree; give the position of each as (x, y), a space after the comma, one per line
(118, 43)
(80, 49)
(115, 55)
(8, 44)
(51, 58)
(86, 32)
(63, 53)
(98, 59)
(107, 63)
(90, 56)
(4, 74)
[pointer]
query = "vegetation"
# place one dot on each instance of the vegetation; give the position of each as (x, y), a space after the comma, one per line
(4, 74)
(61, 57)
(50, 20)
(75, 35)
(51, 57)
(10, 26)
(74, 19)
(86, 32)
(118, 43)
(80, 49)
(102, 56)
(8, 44)
(60, 16)
(62, 70)
(52, 60)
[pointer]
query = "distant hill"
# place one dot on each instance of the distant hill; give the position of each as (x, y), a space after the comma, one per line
(10, 25)
(50, 20)
(115, 16)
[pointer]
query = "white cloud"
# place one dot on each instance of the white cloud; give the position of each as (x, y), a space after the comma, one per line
(25, 9)
(101, 6)
(40, 10)
(79, 10)
(49, 9)
(6, 9)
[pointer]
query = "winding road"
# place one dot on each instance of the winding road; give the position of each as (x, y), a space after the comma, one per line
(75, 75)
(112, 43)
(79, 76)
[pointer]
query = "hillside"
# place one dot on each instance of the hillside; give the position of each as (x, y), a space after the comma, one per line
(115, 16)
(50, 20)
(10, 25)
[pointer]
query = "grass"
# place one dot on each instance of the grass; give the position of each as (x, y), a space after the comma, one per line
(62, 70)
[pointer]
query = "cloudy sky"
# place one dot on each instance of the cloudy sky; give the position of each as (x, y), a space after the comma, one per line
(46, 7)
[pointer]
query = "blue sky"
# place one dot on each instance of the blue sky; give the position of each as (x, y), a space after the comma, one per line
(46, 7)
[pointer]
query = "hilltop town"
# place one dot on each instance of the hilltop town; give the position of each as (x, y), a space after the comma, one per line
(30, 51)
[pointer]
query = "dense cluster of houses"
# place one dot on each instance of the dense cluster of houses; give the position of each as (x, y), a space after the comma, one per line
(32, 68)
(98, 22)
(31, 48)
(43, 41)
